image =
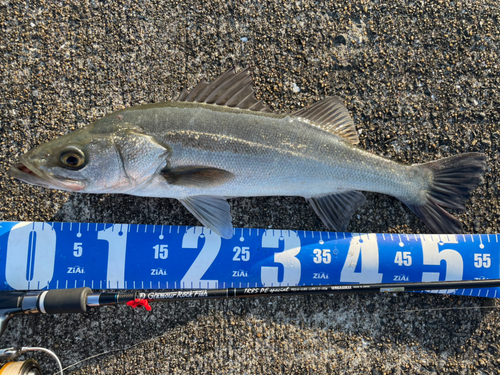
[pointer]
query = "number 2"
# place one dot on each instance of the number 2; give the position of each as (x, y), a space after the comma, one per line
(208, 253)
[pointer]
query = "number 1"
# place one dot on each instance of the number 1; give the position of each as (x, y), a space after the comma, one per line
(116, 236)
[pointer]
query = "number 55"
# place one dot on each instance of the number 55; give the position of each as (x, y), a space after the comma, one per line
(482, 261)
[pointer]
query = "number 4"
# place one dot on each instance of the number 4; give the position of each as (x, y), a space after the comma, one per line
(365, 247)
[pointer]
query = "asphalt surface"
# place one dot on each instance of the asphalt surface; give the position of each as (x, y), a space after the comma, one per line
(421, 79)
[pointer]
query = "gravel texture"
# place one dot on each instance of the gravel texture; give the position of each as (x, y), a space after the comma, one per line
(421, 79)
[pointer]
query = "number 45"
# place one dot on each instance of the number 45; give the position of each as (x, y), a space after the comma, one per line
(403, 258)
(482, 260)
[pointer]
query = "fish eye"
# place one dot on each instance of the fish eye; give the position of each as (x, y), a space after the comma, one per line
(73, 159)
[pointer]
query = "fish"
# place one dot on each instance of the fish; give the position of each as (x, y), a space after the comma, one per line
(218, 141)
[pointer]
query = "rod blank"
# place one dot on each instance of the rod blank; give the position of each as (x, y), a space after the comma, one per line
(325, 289)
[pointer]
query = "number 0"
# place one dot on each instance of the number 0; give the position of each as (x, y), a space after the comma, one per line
(31, 252)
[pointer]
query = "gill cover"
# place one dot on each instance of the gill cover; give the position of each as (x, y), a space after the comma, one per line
(141, 155)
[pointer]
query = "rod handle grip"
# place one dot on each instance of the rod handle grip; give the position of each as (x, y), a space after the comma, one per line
(62, 301)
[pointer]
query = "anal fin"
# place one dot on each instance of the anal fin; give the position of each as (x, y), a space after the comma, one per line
(336, 209)
(212, 211)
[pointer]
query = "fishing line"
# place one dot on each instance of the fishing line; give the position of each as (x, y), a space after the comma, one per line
(445, 309)
(47, 351)
(383, 313)
(111, 351)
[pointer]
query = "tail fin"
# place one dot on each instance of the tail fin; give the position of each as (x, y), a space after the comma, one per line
(453, 180)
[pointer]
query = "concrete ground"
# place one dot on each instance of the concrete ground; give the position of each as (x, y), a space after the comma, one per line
(421, 79)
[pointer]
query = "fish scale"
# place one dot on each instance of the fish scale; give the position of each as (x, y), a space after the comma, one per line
(257, 151)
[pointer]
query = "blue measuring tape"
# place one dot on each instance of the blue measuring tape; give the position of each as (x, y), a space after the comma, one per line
(40, 255)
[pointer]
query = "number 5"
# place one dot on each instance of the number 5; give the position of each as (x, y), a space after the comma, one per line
(78, 249)
(432, 256)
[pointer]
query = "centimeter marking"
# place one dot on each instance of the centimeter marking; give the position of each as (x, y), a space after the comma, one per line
(42, 255)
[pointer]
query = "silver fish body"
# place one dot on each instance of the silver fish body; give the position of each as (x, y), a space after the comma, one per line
(269, 155)
(202, 150)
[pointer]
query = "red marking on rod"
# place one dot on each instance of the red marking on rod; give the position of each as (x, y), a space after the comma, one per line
(138, 302)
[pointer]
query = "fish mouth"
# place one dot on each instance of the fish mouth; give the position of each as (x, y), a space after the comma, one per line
(26, 172)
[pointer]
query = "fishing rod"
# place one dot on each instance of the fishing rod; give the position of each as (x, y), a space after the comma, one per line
(78, 300)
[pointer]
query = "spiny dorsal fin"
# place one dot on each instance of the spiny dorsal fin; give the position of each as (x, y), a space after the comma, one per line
(231, 89)
(331, 115)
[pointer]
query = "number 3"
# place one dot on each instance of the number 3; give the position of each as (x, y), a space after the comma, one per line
(291, 274)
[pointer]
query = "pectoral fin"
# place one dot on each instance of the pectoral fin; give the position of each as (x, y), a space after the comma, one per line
(194, 176)
(335, 210)
(213, 212)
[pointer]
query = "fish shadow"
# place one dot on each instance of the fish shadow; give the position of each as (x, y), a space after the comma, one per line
(379, 214)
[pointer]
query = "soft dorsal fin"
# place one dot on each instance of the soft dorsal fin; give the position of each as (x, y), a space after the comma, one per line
(331, 115)
(231, 89)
